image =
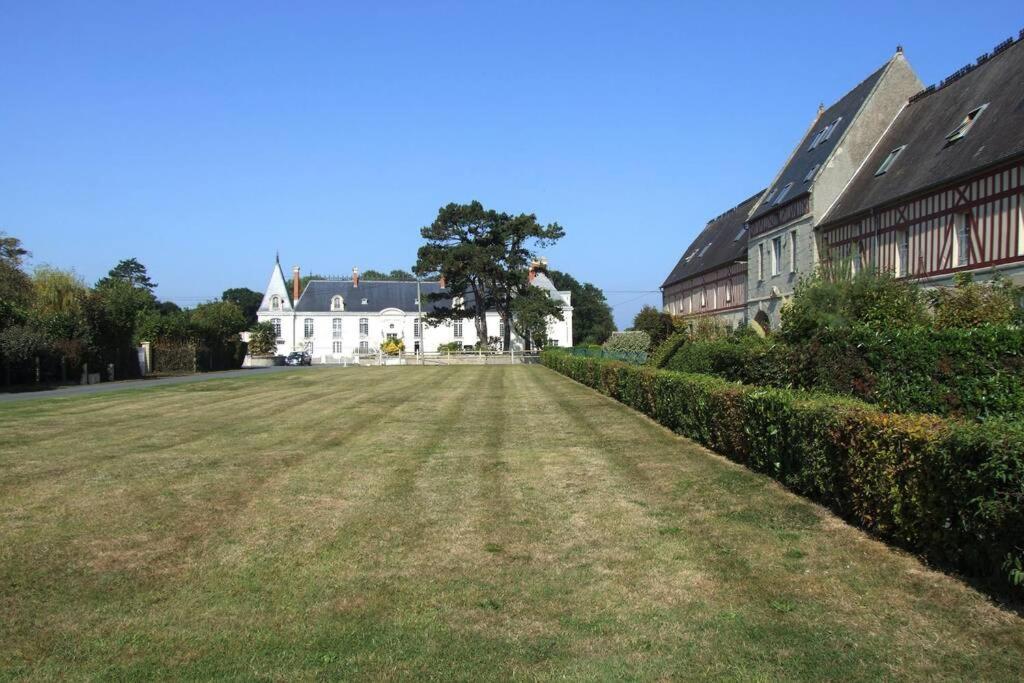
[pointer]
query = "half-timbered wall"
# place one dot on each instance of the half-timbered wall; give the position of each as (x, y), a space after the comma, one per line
(718, 291)
(921, 237)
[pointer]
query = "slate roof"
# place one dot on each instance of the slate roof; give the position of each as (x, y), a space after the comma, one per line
(378, 294)
(720, 233)
(927, 160)
(802, 160)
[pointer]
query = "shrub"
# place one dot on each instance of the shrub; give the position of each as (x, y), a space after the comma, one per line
(450, 347)
(969, 304)
(668, 348)
(392, 347)
(950, 490)
(628, 342)
(262, 339)
(657, 324)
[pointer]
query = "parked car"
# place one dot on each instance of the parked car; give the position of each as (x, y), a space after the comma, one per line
(298, 358)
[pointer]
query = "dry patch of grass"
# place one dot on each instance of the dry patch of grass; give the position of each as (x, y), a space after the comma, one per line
(462, 522)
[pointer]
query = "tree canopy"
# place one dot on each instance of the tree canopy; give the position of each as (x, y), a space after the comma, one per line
(246, 299)
(592, 321)
(130, 271)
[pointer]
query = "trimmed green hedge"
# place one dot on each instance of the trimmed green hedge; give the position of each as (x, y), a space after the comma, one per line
(949, 490)
(976, 373)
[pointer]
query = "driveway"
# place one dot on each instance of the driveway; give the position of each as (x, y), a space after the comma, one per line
(77, 390)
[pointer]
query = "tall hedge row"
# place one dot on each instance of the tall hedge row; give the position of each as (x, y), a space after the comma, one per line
(952, 491)
(977, 372)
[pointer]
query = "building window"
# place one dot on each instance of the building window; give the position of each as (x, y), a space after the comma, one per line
(740, 234)
(365, 301)
(855, 264)
(416, 331)
(714, 296)
(768, 199)
(457, 329)
(1020, 228)
(782, 194)
(965, 125)
(728, 291)
(889, 160)
(336, 328)
(703, 298)
(760, 262)
(810, 174)
(829, 129)
(393, 336)
(275, 303)
(962, 244)
(689, 303)
(276, 322)
(364, 346)
(792, 251)
(308, 327)
(817, 140)
(337, 304)
(902, 253)
(336, 347)
(364, 327)
(776, 255)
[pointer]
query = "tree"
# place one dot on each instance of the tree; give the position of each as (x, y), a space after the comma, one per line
(592, 321)
(262, 339)
(15, 286)
(217, 322)
(132, 272)
(396, 275)
(484, 257)
(531, 310)
(246, 299)
(657, 324)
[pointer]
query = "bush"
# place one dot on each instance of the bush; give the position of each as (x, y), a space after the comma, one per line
(450, 347)
(969, 304)
(950, 490)
(628, 342)
(262, 339)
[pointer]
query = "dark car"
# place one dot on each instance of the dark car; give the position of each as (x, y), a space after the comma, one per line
(298, 358)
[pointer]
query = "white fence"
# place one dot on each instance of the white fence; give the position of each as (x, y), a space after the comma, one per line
(456, 358)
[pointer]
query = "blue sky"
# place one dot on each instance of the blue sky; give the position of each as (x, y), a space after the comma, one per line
(201, 137)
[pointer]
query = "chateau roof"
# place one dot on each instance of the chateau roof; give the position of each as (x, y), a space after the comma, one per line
(806, 161)
(928, 159)
(378, 295)
(722, 241)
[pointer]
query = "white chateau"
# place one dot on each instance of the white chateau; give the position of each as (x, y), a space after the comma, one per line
(337, 319)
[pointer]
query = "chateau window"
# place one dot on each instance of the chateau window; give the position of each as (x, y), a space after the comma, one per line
(416, 330)
(336, 328)
(365, 301)
(336, 347)
(364, 327)
(776, 255)
(782, 194)
(889, 160)
(337, 304)
(276, 322)
(364, 346)
(457, 329)
(792, 251)
(965, 125)
(962, 244)
(308, 327)
(275, 303)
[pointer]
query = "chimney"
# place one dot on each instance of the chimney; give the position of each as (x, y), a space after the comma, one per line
(295, 284)
(441, 282)
(355, 277)
(534, 265)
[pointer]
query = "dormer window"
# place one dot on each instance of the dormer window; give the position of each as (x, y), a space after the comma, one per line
(337, 304)
(275, 303)
(739, 235)
(965, 125)
(810, 174)
(768, 199)
(889, 160)
(817, 139)
(782, 194)
(365, 301)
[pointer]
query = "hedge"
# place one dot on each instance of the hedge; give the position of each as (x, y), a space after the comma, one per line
(976, 373)
(952, 491)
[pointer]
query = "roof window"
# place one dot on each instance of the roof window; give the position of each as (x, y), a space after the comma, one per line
(817, 140)
(740, 234)
(768, 199)
(783, 193)
(829, 129)
(810, 174)
(704, 250)
(965, 125)
(889, 160)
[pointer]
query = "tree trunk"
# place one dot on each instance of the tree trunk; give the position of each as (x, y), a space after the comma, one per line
(481, 326)
(507, 337)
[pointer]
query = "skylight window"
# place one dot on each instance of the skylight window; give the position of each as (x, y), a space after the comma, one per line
(768, 199)
(783, 193)
(817, 140)
(965, 125)
(829, 129)
(810, 174)
(704, 250)
(740, 234)
(889, 160)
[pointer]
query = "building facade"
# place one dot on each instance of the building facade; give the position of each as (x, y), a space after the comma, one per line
(942, 191)
(710, 279)
(337, 319)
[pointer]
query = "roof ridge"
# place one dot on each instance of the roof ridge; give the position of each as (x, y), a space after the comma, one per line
(729, 211)
(982, 59)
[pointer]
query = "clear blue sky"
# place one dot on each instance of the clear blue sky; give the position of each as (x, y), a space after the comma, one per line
(200, 137)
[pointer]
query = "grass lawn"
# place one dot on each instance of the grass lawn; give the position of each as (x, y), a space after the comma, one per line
(461, 522)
